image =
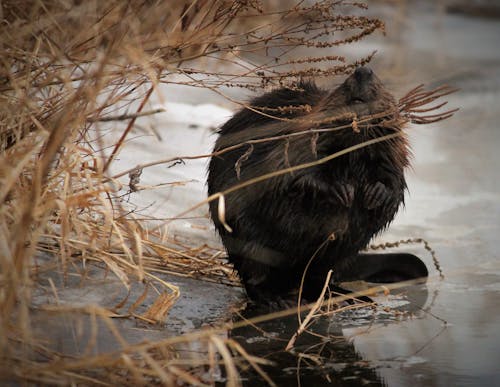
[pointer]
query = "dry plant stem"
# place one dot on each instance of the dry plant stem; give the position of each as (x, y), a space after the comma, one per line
(232, 373)
(52, 147)
(418, 97)
(124, 117)
(306, 269)
(254, 362)
(130, 125)
(310, 315)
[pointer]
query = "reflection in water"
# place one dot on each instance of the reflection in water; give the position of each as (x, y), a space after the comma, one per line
(462, 351)
(326, 353)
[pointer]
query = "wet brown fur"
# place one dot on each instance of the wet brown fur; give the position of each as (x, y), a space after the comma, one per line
(329, 211)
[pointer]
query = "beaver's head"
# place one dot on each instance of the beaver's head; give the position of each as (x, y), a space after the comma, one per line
(362, 93)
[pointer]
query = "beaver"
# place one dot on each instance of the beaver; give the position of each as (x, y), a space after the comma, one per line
(318, 217)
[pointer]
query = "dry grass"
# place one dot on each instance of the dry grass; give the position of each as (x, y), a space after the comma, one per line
(67, 68)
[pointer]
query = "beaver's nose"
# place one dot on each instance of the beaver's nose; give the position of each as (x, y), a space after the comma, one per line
(363, 74)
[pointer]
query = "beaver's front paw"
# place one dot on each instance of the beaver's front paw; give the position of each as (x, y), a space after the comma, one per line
(375, 195)
(343, 193)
